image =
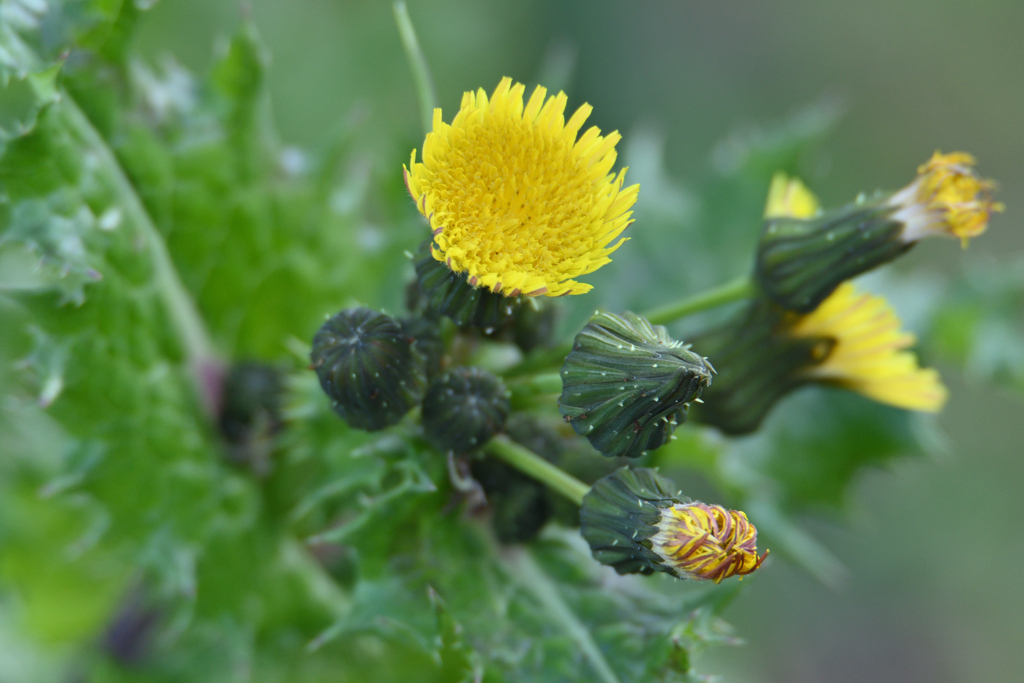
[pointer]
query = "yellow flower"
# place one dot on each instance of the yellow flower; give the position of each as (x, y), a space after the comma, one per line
(700, 541)
(514, 199)
(868, 354)
(947, 197)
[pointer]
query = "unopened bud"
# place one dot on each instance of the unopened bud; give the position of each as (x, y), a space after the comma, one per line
(367, 365)
(627, 384)
(464, 408)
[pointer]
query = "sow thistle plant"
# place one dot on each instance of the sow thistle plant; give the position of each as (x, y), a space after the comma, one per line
(444, 492)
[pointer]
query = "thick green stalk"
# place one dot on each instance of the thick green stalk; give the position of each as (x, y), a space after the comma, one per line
(200, 352)
(735, 290)
(528, 462)
(202, 358)
(418, 66)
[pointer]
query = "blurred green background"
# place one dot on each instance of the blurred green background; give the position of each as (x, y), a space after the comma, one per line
(934, 548)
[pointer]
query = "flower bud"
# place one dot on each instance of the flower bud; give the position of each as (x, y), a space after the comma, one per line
(637, 522)
(804, 255)
(250, 413)
(464, 408)
(801, 261)
(851, 340)
(455, 294)
(626, 384)
(426, 342)
(368, 367)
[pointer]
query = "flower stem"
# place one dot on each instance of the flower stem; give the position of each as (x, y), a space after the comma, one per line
(418, 66)
(734, 290)
(528, 462)
(535, 385)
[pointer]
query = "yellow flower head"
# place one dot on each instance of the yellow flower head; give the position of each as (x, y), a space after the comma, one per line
(700, 541)
(868, 351)
(948, 197)
(514, 199)
(868, 354)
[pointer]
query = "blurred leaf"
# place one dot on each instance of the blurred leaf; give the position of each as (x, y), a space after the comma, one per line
(815, 443)
(980, 323)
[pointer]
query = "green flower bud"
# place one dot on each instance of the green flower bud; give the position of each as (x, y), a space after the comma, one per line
(637, 522)
(627, 384)
(758, 362)
(368, 367)
(250, 412)
(452, 294)
(464, 408)
(519, 504)
(800, 261)
(426, 342)
(533, 326)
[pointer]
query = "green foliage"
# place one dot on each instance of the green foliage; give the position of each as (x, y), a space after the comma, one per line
(153, 228)
(979, 323)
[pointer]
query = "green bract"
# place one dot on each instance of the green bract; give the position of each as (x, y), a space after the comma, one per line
(800, 261)
(450, 294)
(621, 513)
(627, 384)
(367, 365)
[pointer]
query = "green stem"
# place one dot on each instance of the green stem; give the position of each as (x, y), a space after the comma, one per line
(418, 65)
(536, 385)
(535, 580)
(734, 290)
(528, 462)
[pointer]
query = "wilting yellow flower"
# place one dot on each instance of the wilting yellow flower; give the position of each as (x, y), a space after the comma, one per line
(514, 199)
(700, 541)
(869, 353)
(948, 197)
(637, 521)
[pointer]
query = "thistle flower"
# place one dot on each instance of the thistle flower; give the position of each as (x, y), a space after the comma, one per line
(851, 340)
(805, 254)
(626, 384)
(514, 200)
(637, 522)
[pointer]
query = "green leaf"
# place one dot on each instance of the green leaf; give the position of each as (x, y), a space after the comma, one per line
(979, 323)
